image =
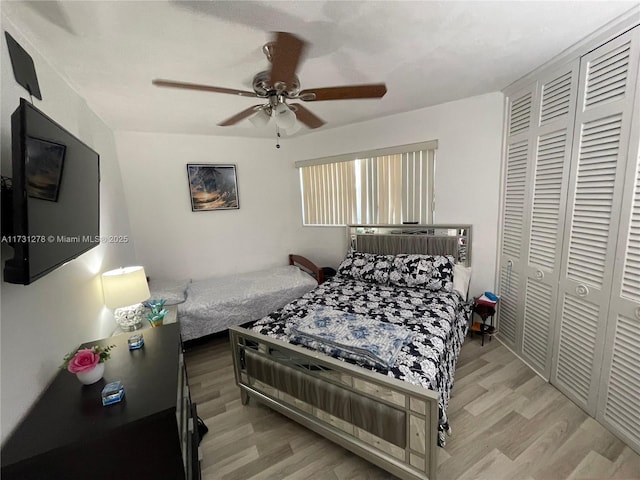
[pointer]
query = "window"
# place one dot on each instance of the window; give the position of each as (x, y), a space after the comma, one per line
(389, 186)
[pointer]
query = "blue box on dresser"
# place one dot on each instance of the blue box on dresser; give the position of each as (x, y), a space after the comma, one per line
(112, 393)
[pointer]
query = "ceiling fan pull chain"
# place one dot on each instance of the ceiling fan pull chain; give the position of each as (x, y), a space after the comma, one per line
(277, 136)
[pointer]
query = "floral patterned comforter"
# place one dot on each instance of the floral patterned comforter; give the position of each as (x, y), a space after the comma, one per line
(438, 319)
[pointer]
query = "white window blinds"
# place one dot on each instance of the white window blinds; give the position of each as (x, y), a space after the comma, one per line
(387, 186)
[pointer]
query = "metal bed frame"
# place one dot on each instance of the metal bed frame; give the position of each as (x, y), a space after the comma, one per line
(386, 421)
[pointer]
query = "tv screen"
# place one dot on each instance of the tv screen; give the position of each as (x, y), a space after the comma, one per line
(56, 196)
(43, 168)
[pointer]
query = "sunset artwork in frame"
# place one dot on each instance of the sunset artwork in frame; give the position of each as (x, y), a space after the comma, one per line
(212, 186)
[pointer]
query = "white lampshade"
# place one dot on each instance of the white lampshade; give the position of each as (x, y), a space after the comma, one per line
(125, 286)
(294, 129)
(260, 119)
(284, 117)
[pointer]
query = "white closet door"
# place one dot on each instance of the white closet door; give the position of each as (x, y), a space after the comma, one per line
(598, 165)
(552, 131)
(619, 404)
(519, 151)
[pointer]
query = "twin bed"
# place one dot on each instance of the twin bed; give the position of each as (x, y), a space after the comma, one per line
(213, 305)
(394, 322)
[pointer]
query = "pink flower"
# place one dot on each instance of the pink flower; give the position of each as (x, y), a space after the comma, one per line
(83, 361)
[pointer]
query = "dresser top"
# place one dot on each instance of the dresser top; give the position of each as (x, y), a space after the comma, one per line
(68, 412)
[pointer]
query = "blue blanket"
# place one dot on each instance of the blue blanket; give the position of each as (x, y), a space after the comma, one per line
(347, 335)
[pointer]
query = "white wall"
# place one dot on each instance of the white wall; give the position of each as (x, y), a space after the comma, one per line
(43, 321)
(173, 241)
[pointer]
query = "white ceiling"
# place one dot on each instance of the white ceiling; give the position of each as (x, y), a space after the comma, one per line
(427, 52)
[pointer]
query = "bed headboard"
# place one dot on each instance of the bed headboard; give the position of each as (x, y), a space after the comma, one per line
(452, 240)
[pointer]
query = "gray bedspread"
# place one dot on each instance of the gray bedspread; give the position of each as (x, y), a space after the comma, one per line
(214, 304)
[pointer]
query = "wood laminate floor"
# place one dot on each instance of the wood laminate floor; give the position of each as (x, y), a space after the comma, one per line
(507, 424)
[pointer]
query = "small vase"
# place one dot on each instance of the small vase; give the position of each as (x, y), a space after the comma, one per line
(92, 376)
(156, 323)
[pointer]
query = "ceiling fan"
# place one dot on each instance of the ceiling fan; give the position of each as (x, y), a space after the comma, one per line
(279, 85)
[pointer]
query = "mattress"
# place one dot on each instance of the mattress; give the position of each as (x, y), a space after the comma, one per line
(438, 319)
(214, 304)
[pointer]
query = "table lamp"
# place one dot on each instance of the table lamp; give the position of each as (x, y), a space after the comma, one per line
(124, 288)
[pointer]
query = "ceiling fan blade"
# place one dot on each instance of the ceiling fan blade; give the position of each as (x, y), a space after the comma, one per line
(240, 116)
(287, 53)
(374, 90)
(306, 117)
(204, 88)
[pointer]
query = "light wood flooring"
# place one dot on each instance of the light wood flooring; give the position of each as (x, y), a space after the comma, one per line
(507, 424)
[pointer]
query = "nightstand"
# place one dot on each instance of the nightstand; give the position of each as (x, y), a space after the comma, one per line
(485, 312)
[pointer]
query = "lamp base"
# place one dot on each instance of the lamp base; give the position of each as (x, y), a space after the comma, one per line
(129, 318)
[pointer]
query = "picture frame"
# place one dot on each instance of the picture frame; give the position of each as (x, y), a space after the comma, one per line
(212, 186)
(43, 169)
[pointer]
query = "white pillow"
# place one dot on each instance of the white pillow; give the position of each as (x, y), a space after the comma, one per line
(461, 278)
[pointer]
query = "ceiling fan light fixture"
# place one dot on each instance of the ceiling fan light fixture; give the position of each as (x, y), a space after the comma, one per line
(284, 117)
(293, 130)
(260, 119)
(280, 106)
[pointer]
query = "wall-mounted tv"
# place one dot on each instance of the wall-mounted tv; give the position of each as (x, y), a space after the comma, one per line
(56, 196)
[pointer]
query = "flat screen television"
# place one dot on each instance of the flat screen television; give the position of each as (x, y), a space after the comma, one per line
(56, 196)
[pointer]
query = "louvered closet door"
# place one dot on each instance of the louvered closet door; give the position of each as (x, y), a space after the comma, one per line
(598, 165)
(516, 203)
(552, 131)
(619, 402)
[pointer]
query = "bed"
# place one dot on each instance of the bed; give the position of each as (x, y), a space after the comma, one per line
(214, 304)
(389, 409)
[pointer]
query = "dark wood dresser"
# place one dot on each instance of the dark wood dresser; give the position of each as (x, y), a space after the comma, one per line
(151, 433)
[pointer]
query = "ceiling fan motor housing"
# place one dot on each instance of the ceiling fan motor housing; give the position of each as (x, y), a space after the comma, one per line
(263, 88)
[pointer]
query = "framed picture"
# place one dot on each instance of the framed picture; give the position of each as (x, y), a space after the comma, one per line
(43, 169)
(212, 186)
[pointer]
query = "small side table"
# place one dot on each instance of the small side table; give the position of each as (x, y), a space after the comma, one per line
(327, 273)
(484, 311)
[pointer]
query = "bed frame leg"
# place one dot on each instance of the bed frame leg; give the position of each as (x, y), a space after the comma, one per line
(244, 396)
